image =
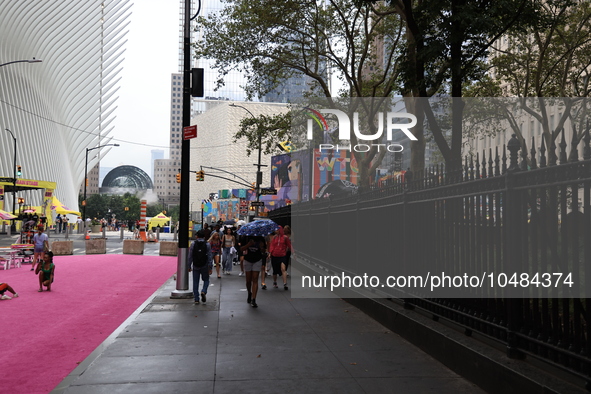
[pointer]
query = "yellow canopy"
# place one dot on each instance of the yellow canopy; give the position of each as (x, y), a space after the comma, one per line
(60, 208)
(160, 219)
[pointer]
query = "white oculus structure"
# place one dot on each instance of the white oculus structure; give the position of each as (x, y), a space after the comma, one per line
(58, 108)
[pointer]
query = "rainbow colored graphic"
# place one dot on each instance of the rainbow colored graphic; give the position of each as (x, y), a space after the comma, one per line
(318, 118)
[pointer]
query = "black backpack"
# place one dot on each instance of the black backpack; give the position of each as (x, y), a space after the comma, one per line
(199, 254)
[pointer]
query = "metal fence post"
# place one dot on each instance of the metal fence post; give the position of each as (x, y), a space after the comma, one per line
(512, 251)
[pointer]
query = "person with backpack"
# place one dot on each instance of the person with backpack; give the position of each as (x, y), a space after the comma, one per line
(280, 245)
(202, 265)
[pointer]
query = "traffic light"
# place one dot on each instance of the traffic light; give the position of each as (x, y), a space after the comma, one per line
(200, 176)
(178, 178)
(253, 186)
(19, 171)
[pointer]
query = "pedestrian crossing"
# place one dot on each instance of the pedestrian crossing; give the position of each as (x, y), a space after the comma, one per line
(119, 250)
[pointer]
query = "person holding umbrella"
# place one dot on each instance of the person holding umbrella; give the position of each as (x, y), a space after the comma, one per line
(254, 251)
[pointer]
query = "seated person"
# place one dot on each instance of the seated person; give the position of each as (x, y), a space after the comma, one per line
(3, 288)
(46, 270)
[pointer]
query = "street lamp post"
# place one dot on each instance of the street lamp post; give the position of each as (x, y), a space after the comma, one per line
(182, 281)
(259, 165)
(86, 179)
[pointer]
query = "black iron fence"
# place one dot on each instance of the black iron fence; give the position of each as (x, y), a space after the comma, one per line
(515, 211)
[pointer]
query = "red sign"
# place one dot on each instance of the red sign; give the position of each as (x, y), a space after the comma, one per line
(243, 207)
(189, 132)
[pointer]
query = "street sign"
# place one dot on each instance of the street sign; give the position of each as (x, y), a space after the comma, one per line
(268, 191)
(257, 204)
(189, 132)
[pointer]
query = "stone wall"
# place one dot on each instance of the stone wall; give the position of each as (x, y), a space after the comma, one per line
(62, 248)
(133, 246)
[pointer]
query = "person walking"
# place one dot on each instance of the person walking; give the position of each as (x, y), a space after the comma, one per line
(280, 245)
(288, 234)
(206, 231)
(46, 270)
(40, 246)
(202, 265)
(241, 240)
(58, 221)
(254, 252)
(228, 242)
(216, 245)
(65, 224)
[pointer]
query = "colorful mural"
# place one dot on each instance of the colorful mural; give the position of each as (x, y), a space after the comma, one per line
(220, 209)
(331, 166)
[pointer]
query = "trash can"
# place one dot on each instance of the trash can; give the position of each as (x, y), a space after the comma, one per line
(167, 229)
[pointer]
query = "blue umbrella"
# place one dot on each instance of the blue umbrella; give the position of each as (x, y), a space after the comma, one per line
(258, 228)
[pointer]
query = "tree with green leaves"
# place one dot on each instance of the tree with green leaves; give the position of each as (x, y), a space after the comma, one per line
(446, 47)
(376, 48)
(544, 67)
(271, 41)
(105, 206)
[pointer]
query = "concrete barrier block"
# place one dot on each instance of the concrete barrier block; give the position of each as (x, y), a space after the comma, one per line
(96, 246)
(133, 246)
(168, 248)
(62, 248)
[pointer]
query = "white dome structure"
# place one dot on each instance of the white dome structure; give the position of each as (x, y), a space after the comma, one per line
(59, 107)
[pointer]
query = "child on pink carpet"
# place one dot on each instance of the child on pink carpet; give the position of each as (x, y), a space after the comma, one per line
(3, 288)
(45, 271)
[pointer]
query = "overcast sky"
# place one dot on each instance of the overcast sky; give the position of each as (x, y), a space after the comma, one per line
(143, 112)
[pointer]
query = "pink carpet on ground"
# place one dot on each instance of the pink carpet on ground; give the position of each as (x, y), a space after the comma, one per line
(46, 335)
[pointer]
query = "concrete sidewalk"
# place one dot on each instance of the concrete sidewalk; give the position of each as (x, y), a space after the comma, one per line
(284, 346)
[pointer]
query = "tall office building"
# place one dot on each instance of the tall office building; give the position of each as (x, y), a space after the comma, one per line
(156, 154)
(165, 170)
